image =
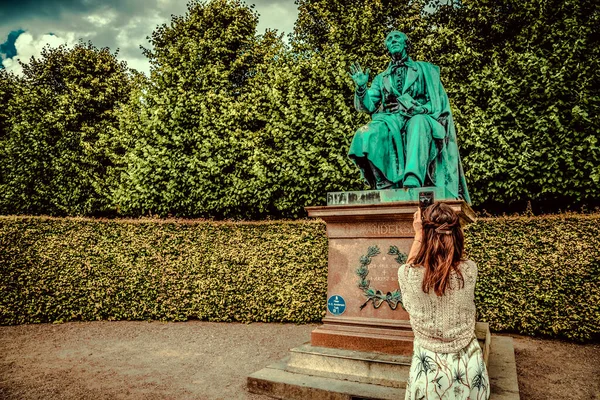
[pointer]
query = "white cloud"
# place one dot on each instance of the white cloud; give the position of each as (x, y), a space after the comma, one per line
(276, 16)
(29, 46)
(101, 20)
(122, 24)
(140, 64)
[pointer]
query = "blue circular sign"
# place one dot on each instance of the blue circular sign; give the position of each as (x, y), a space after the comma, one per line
(336, 305)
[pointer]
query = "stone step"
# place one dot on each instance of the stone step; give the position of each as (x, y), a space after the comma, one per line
(363, 367)
(280, 381)
(502, 369)
(382, 339)
(276, 382)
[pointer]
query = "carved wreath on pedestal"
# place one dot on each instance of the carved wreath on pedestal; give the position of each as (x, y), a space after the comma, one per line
(374, 295)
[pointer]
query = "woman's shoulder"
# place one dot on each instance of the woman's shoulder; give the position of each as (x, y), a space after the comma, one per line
(409, 270)
(402, 270)
(410, 266)
(469, 269)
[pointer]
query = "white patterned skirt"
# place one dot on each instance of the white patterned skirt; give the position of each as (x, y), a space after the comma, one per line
(448, 376)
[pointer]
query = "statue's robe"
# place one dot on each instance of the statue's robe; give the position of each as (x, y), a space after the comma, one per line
(399, 144)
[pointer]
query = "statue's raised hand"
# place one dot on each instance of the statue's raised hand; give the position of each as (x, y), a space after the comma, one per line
(359, 77)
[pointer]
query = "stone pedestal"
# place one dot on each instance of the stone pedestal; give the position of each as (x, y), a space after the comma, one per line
(370, 319)
(363, 350)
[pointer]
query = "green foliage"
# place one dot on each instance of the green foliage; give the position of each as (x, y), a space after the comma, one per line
(356, 27)
(305, 123)
(207, 50)
(235, 124)
(537, 275)
(207, 147)
(56, 270)
(188, 154)
(524, 78)
(55, 145)
(7, 90)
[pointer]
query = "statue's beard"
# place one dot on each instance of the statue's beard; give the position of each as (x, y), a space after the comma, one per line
(400, 55)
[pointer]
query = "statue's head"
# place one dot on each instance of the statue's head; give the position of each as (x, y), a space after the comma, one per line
(397, 43)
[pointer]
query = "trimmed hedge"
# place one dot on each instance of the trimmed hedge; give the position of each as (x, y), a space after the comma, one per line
(56, 270)
(537, 275)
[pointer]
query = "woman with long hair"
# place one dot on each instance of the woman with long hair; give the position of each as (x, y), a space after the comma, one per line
(438, 285)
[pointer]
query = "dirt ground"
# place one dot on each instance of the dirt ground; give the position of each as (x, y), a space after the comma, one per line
(202, 360)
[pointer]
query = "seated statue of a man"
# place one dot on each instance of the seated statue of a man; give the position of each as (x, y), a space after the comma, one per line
(411, 140)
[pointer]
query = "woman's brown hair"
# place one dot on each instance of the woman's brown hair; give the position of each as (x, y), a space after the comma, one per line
(441, 249)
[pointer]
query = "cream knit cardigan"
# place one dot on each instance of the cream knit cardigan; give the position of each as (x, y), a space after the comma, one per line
(443, 324)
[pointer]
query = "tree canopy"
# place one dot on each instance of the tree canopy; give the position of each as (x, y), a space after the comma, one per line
(55, 150)
(235, 123)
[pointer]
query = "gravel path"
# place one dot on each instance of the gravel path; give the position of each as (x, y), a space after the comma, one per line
(203, 360)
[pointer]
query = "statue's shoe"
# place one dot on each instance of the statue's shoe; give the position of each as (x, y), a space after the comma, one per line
(411, 181)
(384, 185)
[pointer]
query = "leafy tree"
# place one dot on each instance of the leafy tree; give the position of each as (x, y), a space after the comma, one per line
(303, 100)
(232, 124)
(253, 129)
(305, 121)
(189, 153)
(8, 84)
(214, 141)
(357, 27)
(524, 77)
(209, 48)
(55, 152)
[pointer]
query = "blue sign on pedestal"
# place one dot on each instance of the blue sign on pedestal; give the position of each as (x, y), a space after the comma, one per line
(336, 305)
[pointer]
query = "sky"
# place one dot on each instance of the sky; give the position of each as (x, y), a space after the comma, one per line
(26, 26)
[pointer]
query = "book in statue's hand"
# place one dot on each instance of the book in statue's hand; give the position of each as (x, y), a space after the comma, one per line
(406, 101)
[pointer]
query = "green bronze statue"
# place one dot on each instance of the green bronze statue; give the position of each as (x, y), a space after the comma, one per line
(411, 140)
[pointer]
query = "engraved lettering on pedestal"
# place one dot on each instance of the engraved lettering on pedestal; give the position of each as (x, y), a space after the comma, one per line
(375, 229)
(385, 229)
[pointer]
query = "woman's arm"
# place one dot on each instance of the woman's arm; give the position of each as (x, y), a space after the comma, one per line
(416, 245)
